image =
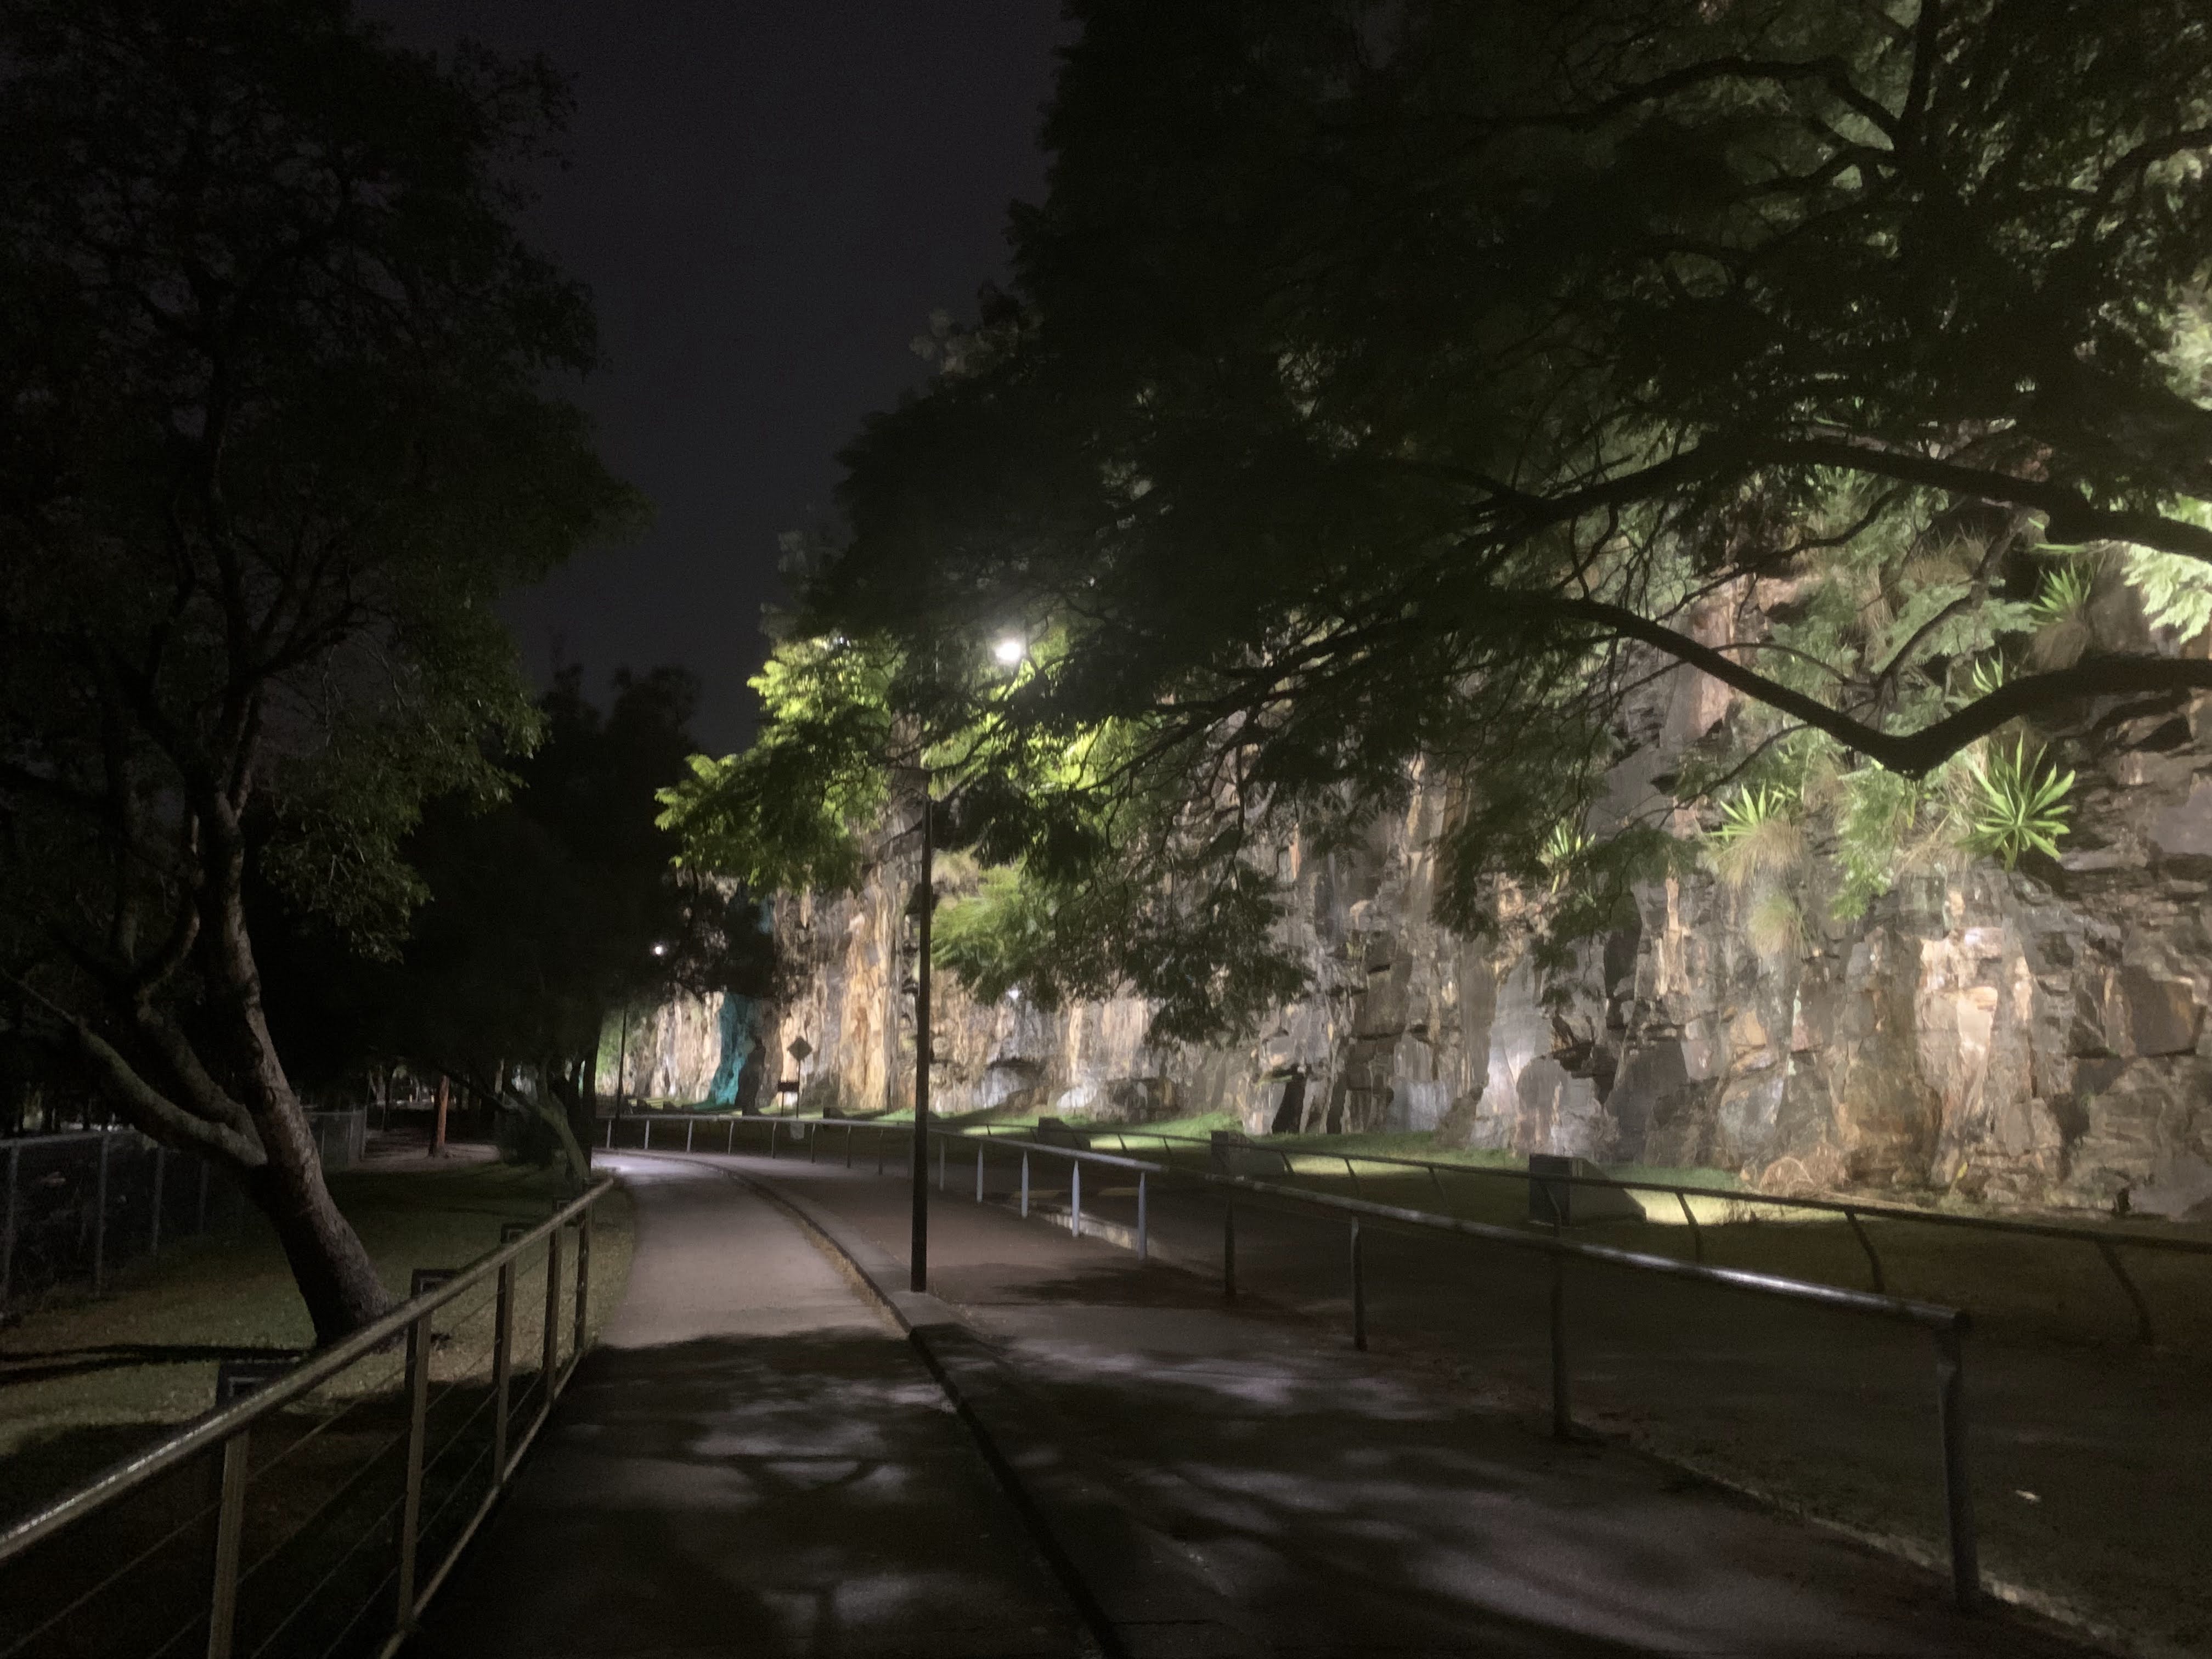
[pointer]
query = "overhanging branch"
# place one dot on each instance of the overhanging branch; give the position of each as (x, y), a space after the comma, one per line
(1914, 754)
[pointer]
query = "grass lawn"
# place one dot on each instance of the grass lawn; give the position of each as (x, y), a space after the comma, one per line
(84, 1379)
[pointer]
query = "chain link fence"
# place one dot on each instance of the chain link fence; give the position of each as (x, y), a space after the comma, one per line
(78, 1207)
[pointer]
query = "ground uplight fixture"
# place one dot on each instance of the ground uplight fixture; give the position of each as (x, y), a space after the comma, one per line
(1009, 650)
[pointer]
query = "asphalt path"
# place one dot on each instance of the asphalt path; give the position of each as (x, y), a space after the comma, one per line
(753, 1461)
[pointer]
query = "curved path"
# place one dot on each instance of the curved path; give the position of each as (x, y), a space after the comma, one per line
(752, 1462)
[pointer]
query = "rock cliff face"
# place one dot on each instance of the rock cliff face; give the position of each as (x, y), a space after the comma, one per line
(2029, 1039)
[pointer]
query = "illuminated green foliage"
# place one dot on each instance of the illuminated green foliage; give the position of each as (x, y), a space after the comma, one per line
(2019, 806)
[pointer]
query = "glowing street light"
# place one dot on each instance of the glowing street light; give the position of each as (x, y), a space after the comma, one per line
(1009, 651)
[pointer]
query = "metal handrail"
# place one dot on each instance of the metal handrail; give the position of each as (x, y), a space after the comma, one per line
(229, 1427)
(1947, 1326)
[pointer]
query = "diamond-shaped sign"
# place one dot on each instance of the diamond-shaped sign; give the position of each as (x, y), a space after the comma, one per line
(801, 1047)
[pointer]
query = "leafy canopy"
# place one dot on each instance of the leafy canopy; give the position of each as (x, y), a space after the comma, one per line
(1395, 391)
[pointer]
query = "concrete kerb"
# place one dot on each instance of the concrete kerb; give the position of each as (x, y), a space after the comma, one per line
(1136, 1591)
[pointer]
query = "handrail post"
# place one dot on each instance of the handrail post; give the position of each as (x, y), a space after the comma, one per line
(583, 1282)
(729, 1136)
(978, 1171)
(771, 1140)
(610, 1131)
(879, 1151)
(1697, 1233)
(2143, 1331)
(411, 1504)
(1563, 1418)
(1144, 1241)
(503, 1370)
(549, 1361)
(812, 1137)
(229, 1527)
(848, 1145)
(1025, 1186)
(1229, 1250)
(689, 1125)
(1358, 1293)
(1075, 1199)
(1867, 1244)
(1958, 1488)
(647, 1147)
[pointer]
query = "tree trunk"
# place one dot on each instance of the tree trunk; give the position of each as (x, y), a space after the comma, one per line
(336, 1278)
(554, 1102)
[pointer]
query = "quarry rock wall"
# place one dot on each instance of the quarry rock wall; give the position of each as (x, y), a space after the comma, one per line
(2030, 1038)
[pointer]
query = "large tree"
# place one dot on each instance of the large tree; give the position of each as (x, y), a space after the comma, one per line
(281, 422)
(1405, 384)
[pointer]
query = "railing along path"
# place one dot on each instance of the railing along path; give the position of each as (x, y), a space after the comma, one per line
(1946, 1325)
(404, 1585)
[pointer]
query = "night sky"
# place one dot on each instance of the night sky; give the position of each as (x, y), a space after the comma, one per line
(767, 198)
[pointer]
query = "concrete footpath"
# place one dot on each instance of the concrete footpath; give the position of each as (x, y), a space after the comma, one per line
(1239, 1480)
(755, 1463)
(752, 1462)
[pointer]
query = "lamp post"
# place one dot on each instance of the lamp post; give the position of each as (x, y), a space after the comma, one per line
(1010, 652)
(925, 902)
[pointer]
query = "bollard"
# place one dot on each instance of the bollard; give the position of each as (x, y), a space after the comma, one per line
(649, 1135)
(1563, 1422)
(1025, 1187)
(1144, 1246)
(771, 1138)
(979, 1172)
(1359, 1294)
(1958, 1489)
(689, 1124)
(1075, 1199)
(611, 1131)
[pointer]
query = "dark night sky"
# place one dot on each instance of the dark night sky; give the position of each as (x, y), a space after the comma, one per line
(767, 198)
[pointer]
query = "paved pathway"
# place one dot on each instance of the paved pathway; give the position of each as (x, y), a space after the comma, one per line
(1317, 1500)
(753, 1461)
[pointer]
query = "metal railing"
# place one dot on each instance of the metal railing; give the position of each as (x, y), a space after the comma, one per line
(383, 1451)
(2108, 1242)
(1947, 1326)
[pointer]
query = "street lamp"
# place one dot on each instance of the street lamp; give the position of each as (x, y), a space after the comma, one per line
(925, 901)
(1009, 651)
